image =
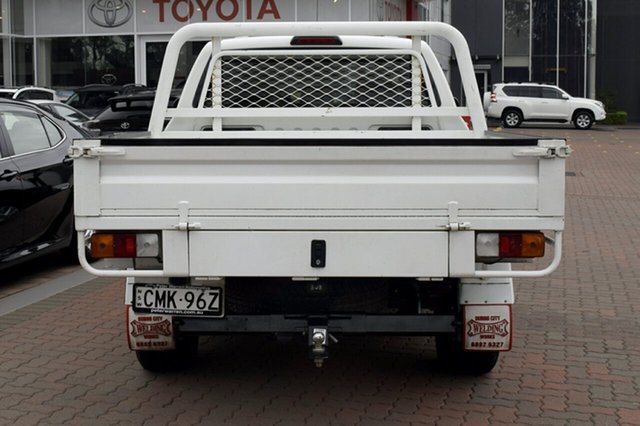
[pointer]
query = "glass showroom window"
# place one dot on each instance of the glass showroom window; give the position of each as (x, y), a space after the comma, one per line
(23, 61)
(78, 61)
(517, 28)
(573, 27)
(559, 43)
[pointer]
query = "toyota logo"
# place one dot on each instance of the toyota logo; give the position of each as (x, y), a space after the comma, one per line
(110, 13)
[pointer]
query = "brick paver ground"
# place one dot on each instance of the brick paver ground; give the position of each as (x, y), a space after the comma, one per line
(34, 273)
(576, 357)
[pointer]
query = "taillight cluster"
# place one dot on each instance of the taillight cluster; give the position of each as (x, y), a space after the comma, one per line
(493, 97)
(491, 245)
(124, 245)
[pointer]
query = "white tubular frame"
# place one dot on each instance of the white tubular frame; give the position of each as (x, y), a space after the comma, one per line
(158, 273)
(416, 30)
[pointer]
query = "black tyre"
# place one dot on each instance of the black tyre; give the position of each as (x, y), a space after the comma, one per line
(164, 361)
(583, 120)
(512, 118)
(452, 357)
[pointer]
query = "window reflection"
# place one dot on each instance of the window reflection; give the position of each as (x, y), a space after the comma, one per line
(78, 61)
(26, 131)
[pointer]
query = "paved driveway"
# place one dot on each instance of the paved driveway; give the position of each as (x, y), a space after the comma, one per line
(576, 357)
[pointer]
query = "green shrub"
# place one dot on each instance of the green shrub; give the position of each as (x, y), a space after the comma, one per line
(616, 118)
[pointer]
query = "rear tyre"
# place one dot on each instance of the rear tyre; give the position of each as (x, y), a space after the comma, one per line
(512, 118)
(583, 120)
(453, 358)
(164, 361)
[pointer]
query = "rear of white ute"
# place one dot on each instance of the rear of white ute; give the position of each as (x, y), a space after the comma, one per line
(318, 179)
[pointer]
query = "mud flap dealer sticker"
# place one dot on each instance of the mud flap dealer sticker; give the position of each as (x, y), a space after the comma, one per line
(149, 332)
(487, 327)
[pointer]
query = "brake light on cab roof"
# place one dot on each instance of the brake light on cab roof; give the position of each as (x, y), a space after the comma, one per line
(316, 41)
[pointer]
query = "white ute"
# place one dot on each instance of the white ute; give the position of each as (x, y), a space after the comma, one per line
(318, 179)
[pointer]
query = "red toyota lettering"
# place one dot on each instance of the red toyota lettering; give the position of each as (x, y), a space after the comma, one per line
(268, 6)
(161, 4)
(182, 18)
(230, 16)
(204, 8)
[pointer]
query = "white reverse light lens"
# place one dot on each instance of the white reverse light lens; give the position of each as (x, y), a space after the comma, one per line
(147, 245)
(487, 245)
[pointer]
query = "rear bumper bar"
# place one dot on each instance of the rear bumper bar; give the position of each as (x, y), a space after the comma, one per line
(488, 273)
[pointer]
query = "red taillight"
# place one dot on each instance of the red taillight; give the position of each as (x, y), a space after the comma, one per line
(124, 245)
(494, 98)
(316, 41)
(510, 245)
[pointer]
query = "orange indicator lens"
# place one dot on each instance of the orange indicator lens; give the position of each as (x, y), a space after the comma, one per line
(102, 246)
(533, 244)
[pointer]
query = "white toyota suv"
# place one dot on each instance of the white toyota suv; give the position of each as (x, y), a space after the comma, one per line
(514, 103)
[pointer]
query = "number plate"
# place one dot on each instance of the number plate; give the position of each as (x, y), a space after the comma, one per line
(173, 300)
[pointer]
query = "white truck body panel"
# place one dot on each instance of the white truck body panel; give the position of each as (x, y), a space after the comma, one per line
(320, 188)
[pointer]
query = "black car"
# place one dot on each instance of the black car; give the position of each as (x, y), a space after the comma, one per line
(127, 113)
(93, 98)
(36, 183)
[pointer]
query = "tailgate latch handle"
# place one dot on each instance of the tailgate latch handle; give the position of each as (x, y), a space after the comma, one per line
(563, 151)
(94, 151)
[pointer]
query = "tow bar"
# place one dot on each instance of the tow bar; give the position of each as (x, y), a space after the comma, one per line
(318, 344)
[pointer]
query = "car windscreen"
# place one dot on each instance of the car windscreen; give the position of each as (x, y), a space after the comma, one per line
(91, 99)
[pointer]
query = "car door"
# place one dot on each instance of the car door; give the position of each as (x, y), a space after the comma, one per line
(11, 220)
(553, 105)
(530, 102)
(44, 170)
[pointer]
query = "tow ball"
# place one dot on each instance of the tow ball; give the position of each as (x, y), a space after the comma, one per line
(318, 344)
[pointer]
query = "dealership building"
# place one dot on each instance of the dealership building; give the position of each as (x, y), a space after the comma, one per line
(584, 46)
(71, 43)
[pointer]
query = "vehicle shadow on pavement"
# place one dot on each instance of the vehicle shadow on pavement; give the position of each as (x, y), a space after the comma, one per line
(228, 356)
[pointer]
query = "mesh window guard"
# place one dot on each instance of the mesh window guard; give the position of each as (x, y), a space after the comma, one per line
(308, 81)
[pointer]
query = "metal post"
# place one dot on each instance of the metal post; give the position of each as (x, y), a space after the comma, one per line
(586, 31)
(530, 40)
(592, 50)
(558, 43)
